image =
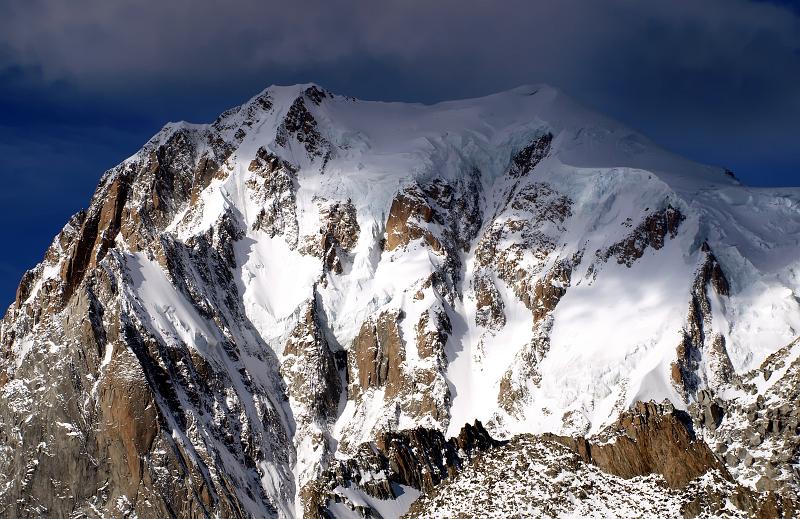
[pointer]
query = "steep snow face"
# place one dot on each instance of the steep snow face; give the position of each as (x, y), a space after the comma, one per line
(516, 259)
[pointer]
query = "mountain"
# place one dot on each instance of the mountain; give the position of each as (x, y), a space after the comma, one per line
(324, 307)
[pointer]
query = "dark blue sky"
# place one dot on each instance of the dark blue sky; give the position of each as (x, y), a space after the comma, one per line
(83, 84)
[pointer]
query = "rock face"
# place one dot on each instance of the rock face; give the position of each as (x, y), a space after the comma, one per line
(314, 388)
(97, 234)
(408, 211)
(300, 308)
(649, 439)
(337, 237)
(652, 232)
(536, 477)
(529, 156)
(299, 124)
(378, 350)
(273, 189)
(699, 339)
(419, 459)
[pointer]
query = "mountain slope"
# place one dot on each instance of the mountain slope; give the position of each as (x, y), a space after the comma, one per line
(247, 305)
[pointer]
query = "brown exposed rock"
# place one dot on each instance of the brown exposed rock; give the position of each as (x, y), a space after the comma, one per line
(99, 426)
(516, 248)
(549, 290)
(65, 238)
(24, 289)
(720, 365)
(490, 307)
(266, 163)
(535, 476)
(109, 220)
(408, 208)
(173, 176)
(207, 169)
(273, 188)
(312, 379)
(338, 234)
(316, 95)
(697, 340)
(341, 224)
(509, 394)
(652, 232)
(421, 398)
(446, 216)
(420, 458)
(175, 172)
(153, 429)
(309, 367)
(648, 439)
(96, 236)
(431, 339)
(711, 272)
(775, 507)
(529, 156)
(457, 207)
(129, 422)
(524, 370)
(546, 204)
(377, 354)
(300, 124)
(541, 300)
(655, 443)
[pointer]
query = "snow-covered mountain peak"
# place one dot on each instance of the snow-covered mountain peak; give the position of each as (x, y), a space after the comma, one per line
(310, 274)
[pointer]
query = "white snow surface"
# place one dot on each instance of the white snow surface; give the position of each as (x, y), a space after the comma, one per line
(387, 508)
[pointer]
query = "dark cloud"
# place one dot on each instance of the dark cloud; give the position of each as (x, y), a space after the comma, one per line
(733, 62)
(84, 83)
(128, 43)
